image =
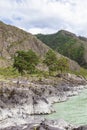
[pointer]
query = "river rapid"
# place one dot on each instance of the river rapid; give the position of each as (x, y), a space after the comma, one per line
(73, 111)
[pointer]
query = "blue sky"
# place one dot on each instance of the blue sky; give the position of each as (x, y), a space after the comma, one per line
(46, 16)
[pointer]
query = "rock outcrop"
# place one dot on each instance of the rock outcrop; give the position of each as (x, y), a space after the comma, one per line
(19, 99)
(35, 94)
(43, 125)
(46, 125)
(84, 127)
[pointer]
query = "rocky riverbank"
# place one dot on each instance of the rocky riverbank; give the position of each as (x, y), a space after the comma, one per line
(46, 125)
(19, 99)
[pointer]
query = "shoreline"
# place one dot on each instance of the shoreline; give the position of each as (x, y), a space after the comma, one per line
(21, 106)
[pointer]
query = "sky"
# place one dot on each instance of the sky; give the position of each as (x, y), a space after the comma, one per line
(46, 16)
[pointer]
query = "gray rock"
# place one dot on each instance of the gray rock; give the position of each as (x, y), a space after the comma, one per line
(81, 128)
(19, 100)
(43, 125)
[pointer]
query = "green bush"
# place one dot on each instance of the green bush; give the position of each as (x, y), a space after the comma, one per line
(55, 64)
(25, 61)
(82, 72)
(51, 61)
(63, 64)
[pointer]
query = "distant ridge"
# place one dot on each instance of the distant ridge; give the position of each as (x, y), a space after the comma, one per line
(67, 44)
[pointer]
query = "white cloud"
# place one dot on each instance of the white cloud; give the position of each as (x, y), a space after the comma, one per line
(40, 30)
(46, 16)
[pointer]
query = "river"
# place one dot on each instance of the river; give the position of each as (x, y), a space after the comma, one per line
(74, 110)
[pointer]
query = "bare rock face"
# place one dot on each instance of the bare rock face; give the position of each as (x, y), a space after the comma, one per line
(21, 100)
(43, 125)
(73, 79)
(56, 124)
(81, 128)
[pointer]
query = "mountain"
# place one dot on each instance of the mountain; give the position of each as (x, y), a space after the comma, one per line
(13, 39)
(67, 44)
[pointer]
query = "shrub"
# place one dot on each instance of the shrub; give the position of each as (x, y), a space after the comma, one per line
(51, 61)
(25, 61)
(62, 64)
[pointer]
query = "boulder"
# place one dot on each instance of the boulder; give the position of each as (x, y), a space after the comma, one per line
(84, 127)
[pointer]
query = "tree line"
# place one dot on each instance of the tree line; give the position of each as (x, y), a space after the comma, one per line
(27, 61)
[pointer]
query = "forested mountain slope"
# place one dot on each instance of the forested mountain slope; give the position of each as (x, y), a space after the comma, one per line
(67, 44)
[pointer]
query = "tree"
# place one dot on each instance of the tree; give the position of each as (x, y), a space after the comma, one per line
(62, 64)
(25, 61)
(51, 61)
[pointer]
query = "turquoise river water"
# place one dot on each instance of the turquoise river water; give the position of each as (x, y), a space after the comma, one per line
(74, 110)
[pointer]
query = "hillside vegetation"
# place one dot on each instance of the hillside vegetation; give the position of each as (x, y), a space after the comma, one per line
(67, 44)
(13, 39)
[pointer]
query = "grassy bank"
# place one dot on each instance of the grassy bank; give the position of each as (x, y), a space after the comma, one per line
(10, 72)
